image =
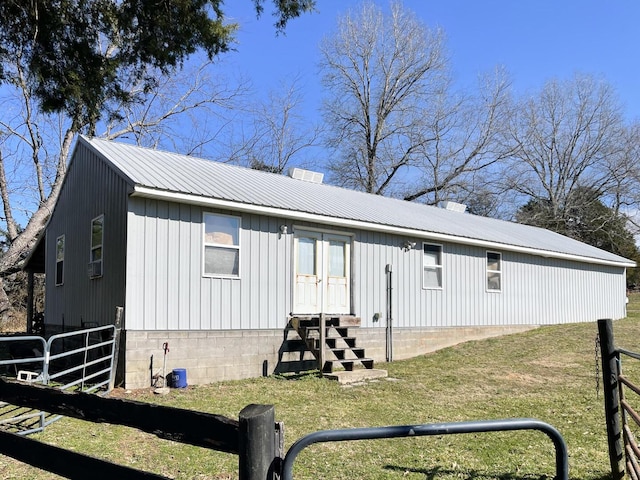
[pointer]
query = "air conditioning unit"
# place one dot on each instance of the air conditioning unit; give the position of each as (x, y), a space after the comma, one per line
(306, 175)
(95, 269)
(454, 206)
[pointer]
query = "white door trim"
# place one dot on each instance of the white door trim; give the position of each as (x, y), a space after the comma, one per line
(326, 288)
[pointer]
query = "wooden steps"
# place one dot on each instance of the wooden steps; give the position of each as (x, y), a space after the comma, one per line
(340, 350)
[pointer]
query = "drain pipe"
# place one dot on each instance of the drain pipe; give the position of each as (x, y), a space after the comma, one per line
(388, 271)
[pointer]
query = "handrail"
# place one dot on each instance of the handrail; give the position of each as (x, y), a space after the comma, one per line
(562, 462)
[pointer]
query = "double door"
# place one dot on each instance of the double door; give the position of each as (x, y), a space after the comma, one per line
(322, 271)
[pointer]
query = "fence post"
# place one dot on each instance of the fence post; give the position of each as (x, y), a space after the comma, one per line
(611, 397)
(116, 347)
(30, 301)
(257, 442)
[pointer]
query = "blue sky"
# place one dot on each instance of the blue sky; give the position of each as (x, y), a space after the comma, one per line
(535, 40)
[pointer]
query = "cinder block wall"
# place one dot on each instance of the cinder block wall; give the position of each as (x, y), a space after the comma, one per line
(208, 356)
(411, 342)
(211, 356)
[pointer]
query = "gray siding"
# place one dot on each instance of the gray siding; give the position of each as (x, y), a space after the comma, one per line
(535, 290)
(200, 179)
(166, 289)
(91, 189)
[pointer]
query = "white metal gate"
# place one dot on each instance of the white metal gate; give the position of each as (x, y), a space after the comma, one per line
(81, 360)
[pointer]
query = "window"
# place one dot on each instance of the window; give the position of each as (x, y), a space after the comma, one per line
(432, 266)
(221, 245)
(95, 259)
(494, 271)
(60, 260)
(337, 259)
(306, 256)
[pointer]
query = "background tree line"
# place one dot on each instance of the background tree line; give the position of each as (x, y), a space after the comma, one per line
(394, 123)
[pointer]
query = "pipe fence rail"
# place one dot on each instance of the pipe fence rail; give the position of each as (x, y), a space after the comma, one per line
(562, 463)
(59, 375)
(255, 437)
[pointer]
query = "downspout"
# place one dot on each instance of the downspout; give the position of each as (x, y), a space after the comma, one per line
(388, 271)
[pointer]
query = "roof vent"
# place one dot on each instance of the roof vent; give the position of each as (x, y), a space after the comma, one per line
(306, 175)
(454, 206)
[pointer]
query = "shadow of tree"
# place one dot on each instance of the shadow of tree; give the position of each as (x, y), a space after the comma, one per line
(299, 375)
(438, 472)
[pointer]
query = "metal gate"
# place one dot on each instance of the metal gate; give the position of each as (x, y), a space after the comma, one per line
(82, 360)
(620, 394)
(562, 463)
(253, 438)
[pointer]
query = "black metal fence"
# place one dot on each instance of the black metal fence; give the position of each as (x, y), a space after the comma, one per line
(620, 394)
(562, 464)
(255, 437)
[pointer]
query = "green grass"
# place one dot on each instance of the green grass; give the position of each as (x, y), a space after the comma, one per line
(549, 373)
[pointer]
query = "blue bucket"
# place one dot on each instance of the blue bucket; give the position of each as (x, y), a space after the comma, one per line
(179, 378)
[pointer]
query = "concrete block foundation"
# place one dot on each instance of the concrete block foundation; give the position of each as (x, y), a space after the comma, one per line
(211, 356)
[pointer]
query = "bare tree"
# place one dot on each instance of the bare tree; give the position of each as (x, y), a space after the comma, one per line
(623, 195)
(567, 137)
(35, 146)
(181, 113)
(379, 71)
(273, 135)
(398, 125)
(465, 139)
(71, 67)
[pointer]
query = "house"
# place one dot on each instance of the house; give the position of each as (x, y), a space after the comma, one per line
(223, 262)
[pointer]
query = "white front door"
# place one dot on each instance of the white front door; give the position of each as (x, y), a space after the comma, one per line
(322, 264)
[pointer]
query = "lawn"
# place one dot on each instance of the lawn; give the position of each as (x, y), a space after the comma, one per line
(550, 373)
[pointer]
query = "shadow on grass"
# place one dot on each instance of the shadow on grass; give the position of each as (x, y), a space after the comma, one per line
(438, 472)
(299, 375)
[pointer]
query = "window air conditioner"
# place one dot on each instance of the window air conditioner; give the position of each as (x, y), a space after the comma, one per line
(95, 269)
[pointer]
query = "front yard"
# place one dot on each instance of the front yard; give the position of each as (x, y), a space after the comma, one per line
(551, 373)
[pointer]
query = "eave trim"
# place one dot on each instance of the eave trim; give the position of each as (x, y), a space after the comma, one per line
(156, 194)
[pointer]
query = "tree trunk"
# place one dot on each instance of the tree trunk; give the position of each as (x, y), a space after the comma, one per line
(13, 259)
(5, 303)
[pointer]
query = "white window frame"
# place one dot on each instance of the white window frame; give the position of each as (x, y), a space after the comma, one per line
(493, 272)
(206, 244)
(96, 266)
(60, 260)
(433, 267)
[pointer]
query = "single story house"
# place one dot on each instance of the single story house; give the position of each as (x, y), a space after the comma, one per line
(217, 260)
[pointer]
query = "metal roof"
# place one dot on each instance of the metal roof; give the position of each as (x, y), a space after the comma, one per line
(191, 179)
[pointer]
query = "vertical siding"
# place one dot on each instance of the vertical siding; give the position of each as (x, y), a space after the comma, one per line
(154, 248)
(162, 268)
(535, 290)
(150, 253)
(172, 258)
(166, 288)
(90, 189)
